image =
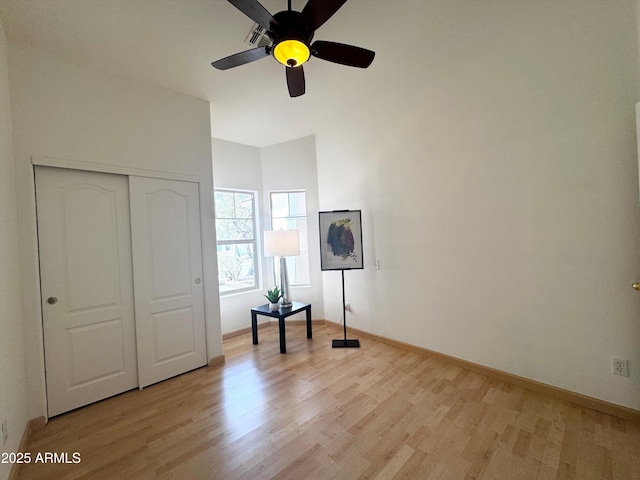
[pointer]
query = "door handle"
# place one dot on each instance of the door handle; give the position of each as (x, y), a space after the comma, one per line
(636, 285)
(52, 300)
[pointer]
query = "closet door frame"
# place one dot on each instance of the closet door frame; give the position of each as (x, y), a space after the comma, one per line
(118, 170)
(100, 168)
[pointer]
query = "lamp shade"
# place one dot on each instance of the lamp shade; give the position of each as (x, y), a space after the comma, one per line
(281, 243)
(291, 53)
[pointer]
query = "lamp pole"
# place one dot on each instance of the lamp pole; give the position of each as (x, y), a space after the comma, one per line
(344, 343)
(284, 283)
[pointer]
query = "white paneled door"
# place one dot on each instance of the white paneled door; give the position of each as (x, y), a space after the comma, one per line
(122, 290)
(87, 286)
(169, 301)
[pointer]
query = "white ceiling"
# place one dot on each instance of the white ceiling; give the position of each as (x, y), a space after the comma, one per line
(172, 43)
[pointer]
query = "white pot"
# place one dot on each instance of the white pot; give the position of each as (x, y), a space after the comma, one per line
(274, 307)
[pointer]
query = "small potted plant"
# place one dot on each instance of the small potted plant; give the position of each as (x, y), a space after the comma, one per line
(274, 296)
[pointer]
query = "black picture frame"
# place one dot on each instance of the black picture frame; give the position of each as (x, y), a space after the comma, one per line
(341, 240)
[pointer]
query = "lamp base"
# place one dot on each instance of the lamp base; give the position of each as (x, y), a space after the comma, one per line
(286, 305)
(345, 344)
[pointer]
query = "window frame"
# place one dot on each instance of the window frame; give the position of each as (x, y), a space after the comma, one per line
(253, 242)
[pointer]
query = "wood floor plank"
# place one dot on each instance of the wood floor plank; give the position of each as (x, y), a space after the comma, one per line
(377, 412)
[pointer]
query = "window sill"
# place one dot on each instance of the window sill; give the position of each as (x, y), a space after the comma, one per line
(235, 294)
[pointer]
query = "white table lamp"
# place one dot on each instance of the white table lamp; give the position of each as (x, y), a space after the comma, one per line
(282, 243)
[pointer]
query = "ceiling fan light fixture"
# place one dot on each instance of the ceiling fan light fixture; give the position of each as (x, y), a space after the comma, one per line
(291, 52)
(287, 37)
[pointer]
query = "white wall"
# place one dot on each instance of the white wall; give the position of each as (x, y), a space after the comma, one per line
(285, 166)
(63, 110)
(498, 180)
(13, 391)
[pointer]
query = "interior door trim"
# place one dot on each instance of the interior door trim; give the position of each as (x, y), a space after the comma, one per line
(115, 169)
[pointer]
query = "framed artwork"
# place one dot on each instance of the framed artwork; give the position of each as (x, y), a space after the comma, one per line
(341, 240)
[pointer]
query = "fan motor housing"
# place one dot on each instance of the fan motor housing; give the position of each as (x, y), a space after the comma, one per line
(291, 25)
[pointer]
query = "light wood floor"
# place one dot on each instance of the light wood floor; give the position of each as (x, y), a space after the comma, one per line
(322, 413)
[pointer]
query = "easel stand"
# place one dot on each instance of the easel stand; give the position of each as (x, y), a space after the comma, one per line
(344, 343)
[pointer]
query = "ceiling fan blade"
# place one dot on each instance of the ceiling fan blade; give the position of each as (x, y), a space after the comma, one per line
(295, 81)
(256, 12)
(241, 58)
(319, 11)
(343, 54)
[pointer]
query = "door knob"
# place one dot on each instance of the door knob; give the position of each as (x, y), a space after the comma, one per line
(636, 285)
(52, 300)
(197, 281)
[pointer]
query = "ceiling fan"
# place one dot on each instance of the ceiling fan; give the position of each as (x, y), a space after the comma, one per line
(291, 33)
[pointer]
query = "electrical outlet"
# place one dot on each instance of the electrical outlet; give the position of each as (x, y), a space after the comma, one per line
(620, 366)
(347, 307)
(5, 432)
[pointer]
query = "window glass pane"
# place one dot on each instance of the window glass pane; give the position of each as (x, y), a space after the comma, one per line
(297, 268)
(236, 241)
(236, 267)
(301, 224)
(297, 204)
(234, 229)
(244, 205)
(279, 205)
(292, 223)
(224, 204)
(280, 224)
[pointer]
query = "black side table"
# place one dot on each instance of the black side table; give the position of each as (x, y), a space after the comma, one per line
(280, 314)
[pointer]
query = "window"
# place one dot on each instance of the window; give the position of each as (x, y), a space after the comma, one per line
(236, 240)
(289, 212)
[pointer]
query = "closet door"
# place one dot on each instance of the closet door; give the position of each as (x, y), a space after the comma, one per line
(169, 301)
(87, 287)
